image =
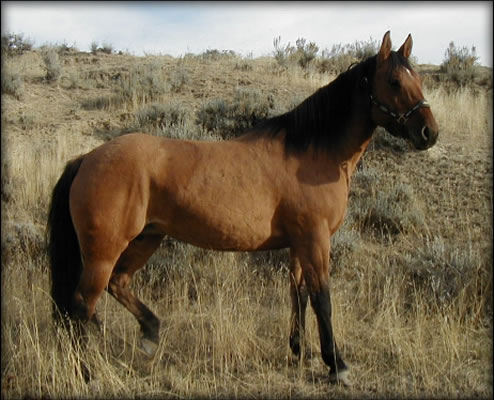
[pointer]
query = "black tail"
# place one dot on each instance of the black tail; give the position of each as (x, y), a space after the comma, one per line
(63, 246)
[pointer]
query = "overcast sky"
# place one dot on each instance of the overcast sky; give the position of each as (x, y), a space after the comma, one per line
(176, 28)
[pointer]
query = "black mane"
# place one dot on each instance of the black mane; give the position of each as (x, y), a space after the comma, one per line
(320, 119)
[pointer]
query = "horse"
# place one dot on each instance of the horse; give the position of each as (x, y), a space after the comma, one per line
(283, 184)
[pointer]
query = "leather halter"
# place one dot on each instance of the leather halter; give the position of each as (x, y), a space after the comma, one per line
(403, 117)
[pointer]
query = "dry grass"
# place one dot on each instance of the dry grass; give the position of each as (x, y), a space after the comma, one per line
(411, 271)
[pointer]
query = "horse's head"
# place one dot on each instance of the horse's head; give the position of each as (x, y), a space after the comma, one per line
(398, 104)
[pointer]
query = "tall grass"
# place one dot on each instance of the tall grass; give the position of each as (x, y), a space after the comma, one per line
(457, 111)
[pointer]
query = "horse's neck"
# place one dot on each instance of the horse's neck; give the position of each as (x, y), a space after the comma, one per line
(357, 138)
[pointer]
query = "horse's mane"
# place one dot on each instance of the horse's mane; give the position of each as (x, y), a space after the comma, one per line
(320, 119)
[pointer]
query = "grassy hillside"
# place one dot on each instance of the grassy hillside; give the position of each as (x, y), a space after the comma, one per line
(411, 267)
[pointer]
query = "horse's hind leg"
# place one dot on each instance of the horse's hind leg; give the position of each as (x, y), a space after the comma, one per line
(299, 297)
(133, 258)
(92, 282)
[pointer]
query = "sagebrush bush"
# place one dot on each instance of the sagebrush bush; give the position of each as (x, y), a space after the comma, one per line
(101, 102)
(281, 53)
(27, 120)
(179, 78)
(244, 65)
(305, 53)
(301, 54)
(215, 54)
(12, 84)
(139, 86)
(460, 63)
(22, 238)
(64, 48)
(362, 50)
(74, 80)
(340, 57)
(383, 209)
(94, 47)
(160, 115)
(334, 61)
(229, 119)
(15, 44)
(106, 48)
(214, 116)
(142, 85)
(449, 275)
(53, 66)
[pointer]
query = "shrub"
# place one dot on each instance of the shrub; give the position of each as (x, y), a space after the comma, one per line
(74, 80)
(334, 61)
(460, 63)
(171, 120)
(15, 44)
(214, 116)
(361, 50)
(305, 52)
(340, 57)
(65, 48)
(215, 55)
(21, 239)
(244, 65)
(282, 53)
(106, 48)
(52, 64)
(231, 119)
(142, 85)
(446, 272)
(94, 47)
(160, 115)
(27, 120)
(383, 210)
(178, 78)
(302, 54)
(12, 84)
(101, 102)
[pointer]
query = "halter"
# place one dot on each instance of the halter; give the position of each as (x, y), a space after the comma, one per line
(400, 118)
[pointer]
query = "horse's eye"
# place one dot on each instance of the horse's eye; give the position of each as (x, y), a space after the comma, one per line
(396, 83)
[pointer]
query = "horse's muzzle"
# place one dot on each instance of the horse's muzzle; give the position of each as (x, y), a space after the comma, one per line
(425, 139)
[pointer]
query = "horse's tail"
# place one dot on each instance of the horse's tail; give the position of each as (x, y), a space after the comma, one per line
(63, 246)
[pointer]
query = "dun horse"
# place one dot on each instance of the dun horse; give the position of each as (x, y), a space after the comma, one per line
(283, 184)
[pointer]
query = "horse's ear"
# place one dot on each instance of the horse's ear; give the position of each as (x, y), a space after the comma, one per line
(385, 48)
(406, 48)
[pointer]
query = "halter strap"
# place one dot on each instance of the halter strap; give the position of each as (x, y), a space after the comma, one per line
(400, 118)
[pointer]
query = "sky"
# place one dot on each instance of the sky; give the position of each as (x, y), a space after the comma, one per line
(248, 28)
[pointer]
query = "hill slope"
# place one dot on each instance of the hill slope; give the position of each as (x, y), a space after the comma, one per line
(411, 266)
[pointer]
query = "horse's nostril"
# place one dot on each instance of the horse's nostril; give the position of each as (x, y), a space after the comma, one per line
(426, 135)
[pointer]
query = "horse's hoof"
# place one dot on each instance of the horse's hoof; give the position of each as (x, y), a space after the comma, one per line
(340, 377)
(148, 346)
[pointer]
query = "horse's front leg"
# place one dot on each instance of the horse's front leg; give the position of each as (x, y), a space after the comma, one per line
(299, 297)
(313, 254)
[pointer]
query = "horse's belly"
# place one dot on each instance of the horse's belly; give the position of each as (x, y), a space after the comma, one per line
(222, 227)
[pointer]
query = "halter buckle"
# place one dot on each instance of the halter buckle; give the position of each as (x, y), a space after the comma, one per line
(402, 119)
